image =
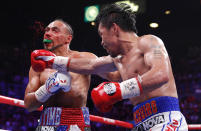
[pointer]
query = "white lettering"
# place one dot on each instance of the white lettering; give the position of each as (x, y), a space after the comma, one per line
(58, 114)
(51, 116)
(152, 122)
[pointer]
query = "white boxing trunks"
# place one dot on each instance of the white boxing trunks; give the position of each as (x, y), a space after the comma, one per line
(159, 114)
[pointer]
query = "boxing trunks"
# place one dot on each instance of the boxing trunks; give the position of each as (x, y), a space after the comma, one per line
(159, 114)
(64, 119)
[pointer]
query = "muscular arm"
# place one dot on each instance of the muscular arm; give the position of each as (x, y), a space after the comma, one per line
(80, 62)
(156, 57)
(91, 64)
(30, 100)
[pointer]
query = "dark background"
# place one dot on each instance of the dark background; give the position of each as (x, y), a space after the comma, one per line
(180, 32)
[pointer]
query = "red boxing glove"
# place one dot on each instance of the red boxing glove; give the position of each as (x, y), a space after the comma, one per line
(108, 93)
(105, 95)
(41, 59)
(38, 64)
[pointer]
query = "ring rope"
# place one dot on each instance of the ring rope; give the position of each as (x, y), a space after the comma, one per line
(108, 121)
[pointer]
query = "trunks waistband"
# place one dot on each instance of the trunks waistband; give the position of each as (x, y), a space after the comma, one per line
(154, 106)
(55, 116)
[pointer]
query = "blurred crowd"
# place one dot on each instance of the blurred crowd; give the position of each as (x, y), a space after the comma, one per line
(14, 78)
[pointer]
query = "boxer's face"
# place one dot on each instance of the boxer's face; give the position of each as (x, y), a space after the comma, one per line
(57, 32)
(109, 40)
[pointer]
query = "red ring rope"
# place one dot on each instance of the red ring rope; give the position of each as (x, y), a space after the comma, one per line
(20, 103)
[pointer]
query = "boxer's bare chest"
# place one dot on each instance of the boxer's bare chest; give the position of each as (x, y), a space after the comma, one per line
(76, 97)
(45, 75)
(77, 80)
(131, 65)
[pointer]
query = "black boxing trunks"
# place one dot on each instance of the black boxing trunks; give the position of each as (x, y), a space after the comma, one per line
(64, 119)
(159, 114)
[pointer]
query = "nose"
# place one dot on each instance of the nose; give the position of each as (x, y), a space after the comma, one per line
(47, 34)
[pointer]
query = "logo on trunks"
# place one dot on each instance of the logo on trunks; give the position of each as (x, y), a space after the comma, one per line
(110, 88)
(145, 111)
(148, 124)
(50, 116)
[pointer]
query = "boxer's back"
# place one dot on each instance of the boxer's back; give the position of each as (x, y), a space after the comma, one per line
(76, 97)
(134, 63)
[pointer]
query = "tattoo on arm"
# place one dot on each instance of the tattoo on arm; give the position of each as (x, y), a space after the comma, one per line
(157, 53)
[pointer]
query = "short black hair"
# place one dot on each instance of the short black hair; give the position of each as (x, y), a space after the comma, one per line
(121, 14)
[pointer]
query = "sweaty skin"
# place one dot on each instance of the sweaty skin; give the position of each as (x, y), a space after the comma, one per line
(131, 56)
(58, 33)
(151, 61)
(77, 96)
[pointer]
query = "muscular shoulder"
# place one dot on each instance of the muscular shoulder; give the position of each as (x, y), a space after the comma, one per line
(77, 54)
(147, 42)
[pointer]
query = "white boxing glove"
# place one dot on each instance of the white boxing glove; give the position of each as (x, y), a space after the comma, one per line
(57, 81)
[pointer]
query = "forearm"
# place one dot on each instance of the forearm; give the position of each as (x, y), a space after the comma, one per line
(82, 66)
(84, 63)
(31, 103)
(77, 65)
(91, 66)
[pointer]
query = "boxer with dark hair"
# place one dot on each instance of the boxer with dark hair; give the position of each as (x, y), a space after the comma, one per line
(143, 64)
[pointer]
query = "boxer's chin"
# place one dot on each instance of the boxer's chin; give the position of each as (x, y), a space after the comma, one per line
(113, 54)
(47, 47)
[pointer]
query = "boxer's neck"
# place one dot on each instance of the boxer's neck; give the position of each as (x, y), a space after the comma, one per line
(127, 41)
(62, 51)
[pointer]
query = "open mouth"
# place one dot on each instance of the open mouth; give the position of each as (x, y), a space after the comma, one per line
(47, 41)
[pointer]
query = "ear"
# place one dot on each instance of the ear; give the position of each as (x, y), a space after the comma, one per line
(68, 39)
(115, 29)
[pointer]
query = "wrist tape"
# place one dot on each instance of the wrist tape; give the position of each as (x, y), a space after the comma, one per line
(131, 88)
(42, 94)
(61, 63)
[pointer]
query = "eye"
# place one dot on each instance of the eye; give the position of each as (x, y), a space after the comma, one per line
(55, 29)
(46, 29)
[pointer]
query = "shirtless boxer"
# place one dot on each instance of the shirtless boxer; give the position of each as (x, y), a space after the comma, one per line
(63, 97)
(145, 69)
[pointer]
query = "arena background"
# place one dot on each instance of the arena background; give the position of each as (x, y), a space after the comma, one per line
(21, 24)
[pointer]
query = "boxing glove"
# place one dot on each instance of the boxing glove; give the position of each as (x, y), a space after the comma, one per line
(108, 93)
(41, 59)
(57, 81)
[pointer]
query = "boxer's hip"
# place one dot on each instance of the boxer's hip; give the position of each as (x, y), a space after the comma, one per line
(65, 119)
(159, 113)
